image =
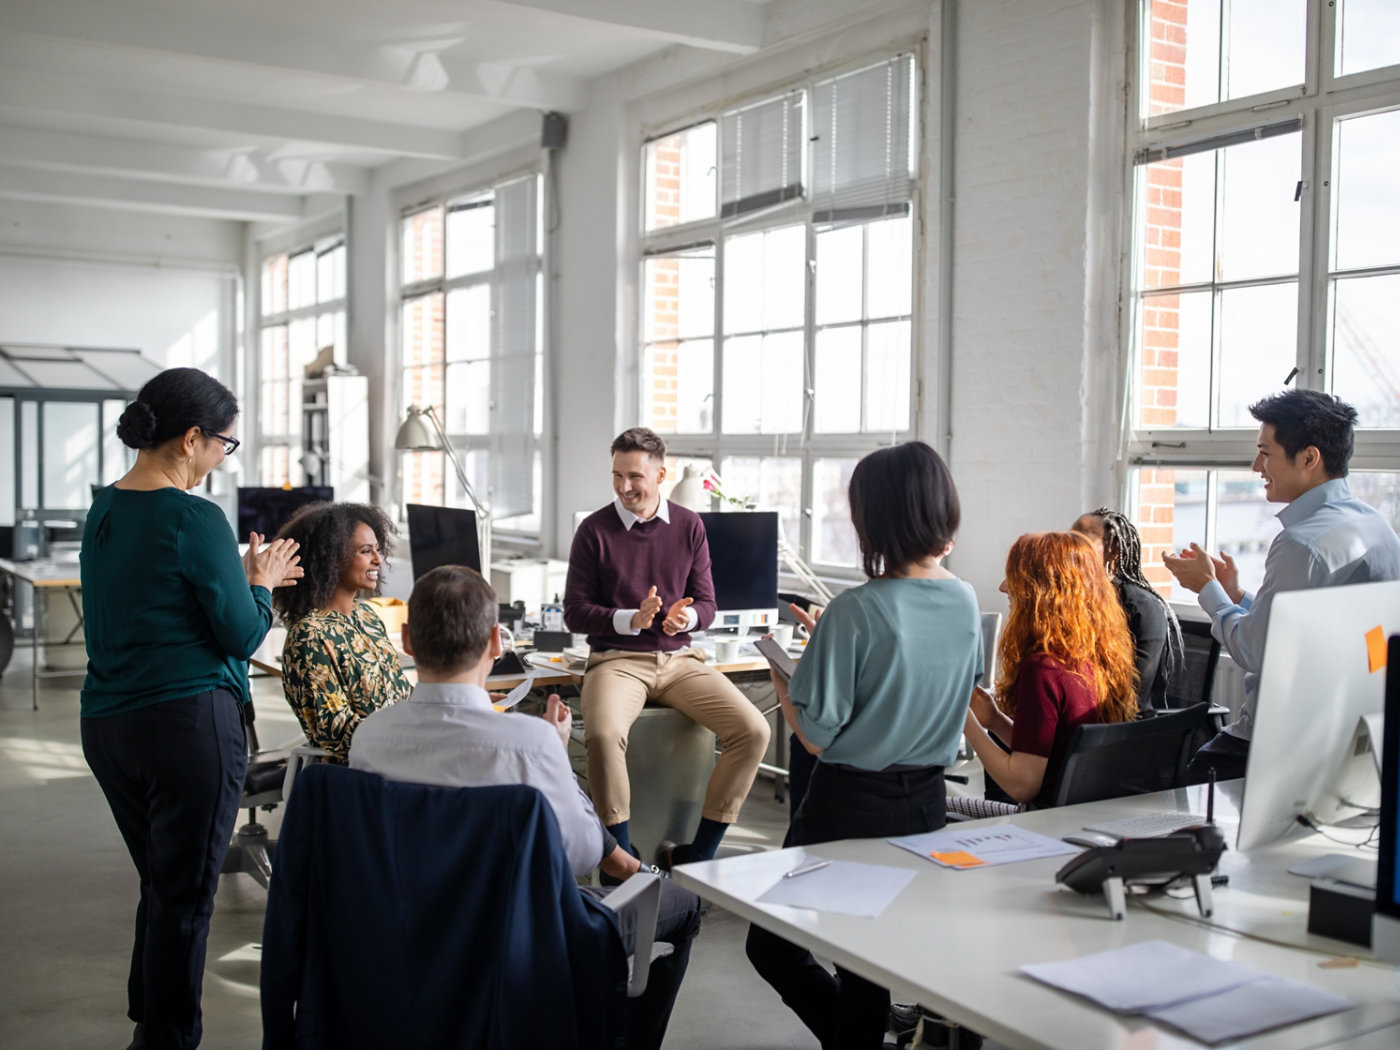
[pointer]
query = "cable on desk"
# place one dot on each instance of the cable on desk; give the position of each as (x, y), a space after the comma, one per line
(1209, 925)
(1371, 841)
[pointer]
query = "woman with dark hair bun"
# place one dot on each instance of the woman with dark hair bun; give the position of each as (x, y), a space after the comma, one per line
(171, 617)
(338, 663)
(879, 697)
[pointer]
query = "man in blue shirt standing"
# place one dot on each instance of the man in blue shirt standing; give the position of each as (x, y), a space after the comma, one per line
(1329, 539)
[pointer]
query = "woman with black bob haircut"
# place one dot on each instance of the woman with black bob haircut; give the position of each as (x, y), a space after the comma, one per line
(879, 698)
(338, 664)
(171, 617)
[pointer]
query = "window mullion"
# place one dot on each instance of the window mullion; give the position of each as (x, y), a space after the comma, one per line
(1314, 227)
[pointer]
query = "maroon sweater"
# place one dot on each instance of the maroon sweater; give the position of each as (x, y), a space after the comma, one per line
(612, 568)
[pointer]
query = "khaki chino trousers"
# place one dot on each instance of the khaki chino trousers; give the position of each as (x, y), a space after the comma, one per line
(617, 685)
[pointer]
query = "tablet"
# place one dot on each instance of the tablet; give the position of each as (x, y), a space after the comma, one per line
(777, 657)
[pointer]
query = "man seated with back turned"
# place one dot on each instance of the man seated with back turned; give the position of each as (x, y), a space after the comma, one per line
(1329, 539)
(447, 734)
(638, 584)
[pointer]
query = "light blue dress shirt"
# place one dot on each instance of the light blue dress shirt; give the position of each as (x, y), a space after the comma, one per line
(1329, 539)
(888, 674)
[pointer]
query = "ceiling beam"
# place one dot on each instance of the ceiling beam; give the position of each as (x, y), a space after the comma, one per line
(144, 195)
(251, 169)
(733, 26)
(54, 95)
(417, 62)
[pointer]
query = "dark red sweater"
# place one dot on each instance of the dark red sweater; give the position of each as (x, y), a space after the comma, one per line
(612, 568)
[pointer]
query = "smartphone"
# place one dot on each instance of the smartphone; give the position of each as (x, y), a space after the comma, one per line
(777, 657)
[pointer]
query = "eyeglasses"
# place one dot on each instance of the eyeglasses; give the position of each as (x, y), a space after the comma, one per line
(230, 444)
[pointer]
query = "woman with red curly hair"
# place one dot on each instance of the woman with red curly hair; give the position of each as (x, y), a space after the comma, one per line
(1065, 658)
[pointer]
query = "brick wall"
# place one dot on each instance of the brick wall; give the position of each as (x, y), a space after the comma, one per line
(1160, 266)
(662, 290)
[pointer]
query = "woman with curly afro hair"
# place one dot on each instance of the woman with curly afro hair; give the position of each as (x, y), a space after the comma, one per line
(338, 664)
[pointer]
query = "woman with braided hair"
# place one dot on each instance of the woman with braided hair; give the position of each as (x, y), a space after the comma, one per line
(1155, 629)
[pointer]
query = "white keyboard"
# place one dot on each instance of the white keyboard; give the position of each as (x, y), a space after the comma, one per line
(1147, 826)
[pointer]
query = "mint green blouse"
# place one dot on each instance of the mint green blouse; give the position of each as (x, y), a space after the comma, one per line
(167, 606)
(888, 674)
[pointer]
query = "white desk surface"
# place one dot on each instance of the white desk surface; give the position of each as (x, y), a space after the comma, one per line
(44, 572)
(954, 940)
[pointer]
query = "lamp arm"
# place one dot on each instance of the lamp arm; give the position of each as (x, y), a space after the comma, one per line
(804, 572)
(483, 513)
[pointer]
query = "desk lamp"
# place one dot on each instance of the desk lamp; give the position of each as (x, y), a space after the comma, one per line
(415, 436)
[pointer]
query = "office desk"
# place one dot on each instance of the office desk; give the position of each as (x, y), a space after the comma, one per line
(954, 940)
(46, 576)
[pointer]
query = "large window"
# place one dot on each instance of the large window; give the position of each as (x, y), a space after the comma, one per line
(777, 285)
(302, 308)
(471, 347)
(1266, 253)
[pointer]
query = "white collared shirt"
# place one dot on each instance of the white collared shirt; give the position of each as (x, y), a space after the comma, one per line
(622, 618)
(449, 735)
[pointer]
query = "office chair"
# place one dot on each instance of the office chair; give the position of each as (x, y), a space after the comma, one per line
(461, 904)
(1195, 678)
(1131, 758)
(252, 850)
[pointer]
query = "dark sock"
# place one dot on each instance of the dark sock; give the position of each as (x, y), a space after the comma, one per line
(706, 840)
(619, 832)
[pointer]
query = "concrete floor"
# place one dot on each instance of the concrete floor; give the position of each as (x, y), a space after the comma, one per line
(69, 896)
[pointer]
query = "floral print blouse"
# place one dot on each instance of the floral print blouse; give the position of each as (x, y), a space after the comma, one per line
(338, 670)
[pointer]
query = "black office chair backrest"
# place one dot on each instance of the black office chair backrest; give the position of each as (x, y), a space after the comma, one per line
(1195, 678)
(1131, 758)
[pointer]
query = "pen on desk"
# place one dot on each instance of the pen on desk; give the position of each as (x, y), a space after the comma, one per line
(807, 868)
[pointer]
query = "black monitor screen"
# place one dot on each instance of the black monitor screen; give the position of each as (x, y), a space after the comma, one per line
(442, 536)
(744, 558)
(264, 511)
(1387, 863)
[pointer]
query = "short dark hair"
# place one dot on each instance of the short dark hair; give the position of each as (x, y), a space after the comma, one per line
(639, 439)
(1309, 417)
(325, 532)
(450, 615)
(172, 402)
(904, 507)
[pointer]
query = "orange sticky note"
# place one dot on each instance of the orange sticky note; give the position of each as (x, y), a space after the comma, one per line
(1375, 648)
(957, 859)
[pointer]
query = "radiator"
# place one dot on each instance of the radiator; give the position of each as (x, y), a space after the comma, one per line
(1228, 687)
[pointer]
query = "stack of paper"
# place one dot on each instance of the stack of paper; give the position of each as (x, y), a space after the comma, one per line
(1002, 844)
(845, 887)
(1208, 999)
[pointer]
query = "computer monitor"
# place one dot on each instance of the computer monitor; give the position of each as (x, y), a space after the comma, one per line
(744, 567)
(442, 536)
(1322, 673)
(265, 510)
(1385, 925)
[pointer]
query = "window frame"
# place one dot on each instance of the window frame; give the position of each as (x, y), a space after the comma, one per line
(1319, 102)
(806, 445)
(263, 439)
(473, 444)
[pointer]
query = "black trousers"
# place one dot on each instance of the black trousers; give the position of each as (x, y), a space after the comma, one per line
(173, 776)
(677, 922)
(1227, 755)
(844, 1011)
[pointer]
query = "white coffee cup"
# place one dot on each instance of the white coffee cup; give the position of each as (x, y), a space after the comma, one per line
(726, 650)
(782, 634)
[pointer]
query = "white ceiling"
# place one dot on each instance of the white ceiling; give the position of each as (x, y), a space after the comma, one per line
(238, 109)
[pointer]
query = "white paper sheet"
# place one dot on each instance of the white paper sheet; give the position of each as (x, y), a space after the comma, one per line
(1144, 976)
(844, 887)
(1256, 1007)
(1003, 844)
(518, 693)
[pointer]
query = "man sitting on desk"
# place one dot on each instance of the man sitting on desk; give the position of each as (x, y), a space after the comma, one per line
(447, 734)
(638, 584)
(1329, 539)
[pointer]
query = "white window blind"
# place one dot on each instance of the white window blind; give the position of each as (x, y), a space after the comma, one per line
(513, 423)
(761, 147)
(863, 149)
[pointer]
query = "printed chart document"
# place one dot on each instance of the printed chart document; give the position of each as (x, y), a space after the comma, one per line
(1207, 998)
(844, 887)
(1004, 844)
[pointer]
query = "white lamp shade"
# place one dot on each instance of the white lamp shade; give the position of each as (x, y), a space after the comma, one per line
(690, 491)
(415, 435)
